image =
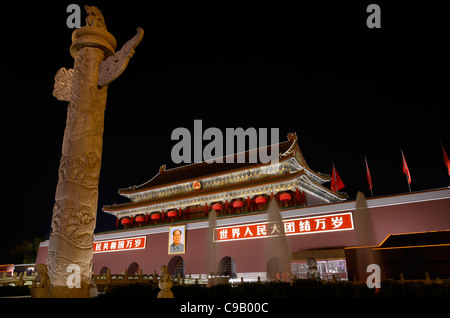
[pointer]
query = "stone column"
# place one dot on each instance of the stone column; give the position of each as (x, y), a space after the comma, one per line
(75, 210)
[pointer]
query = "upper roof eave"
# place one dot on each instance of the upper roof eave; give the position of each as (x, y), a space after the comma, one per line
(284, 147)
(243, 185)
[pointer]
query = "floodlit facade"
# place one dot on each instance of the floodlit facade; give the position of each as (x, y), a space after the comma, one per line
(166, 222)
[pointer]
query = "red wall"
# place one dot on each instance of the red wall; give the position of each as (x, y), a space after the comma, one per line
(414, 217)
(249, 255)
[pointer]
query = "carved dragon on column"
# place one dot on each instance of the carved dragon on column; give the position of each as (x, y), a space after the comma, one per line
(84, 87)
(109, 69)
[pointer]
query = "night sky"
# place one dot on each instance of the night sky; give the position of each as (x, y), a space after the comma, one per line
(346, 90)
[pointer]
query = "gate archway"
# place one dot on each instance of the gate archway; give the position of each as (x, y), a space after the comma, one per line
(227, 267)
(176, 266)
(133, 269)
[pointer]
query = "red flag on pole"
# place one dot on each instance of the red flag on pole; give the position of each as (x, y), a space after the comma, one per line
(336, 181)
(406, 170)
(369, 178)
(446, 161)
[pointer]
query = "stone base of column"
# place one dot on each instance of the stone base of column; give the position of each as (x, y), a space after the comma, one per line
(66, 292)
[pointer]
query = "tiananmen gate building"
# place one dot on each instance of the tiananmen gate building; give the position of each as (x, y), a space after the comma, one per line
(166, 223)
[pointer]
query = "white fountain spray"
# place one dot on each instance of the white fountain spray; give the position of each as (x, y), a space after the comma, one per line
(365, 235)
(278, 252)
(212, 254)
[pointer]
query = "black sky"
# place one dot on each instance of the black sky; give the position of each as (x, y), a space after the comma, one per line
(317, 70)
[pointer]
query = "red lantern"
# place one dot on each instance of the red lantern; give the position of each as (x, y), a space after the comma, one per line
(238, 204)
(217, 207)
(155, 216)
(140, 218)
(172, 214)
(285, 197)
(261, 200)
(125, 221)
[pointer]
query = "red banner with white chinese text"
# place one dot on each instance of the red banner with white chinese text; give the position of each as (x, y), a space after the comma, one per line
(307, 225)
(124, 244)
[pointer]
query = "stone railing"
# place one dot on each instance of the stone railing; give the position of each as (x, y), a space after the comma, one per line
(108, 279)
(105, 281)
(22, 279)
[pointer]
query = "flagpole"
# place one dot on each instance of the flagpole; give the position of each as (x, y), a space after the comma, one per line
(335, 178)
(407, 181)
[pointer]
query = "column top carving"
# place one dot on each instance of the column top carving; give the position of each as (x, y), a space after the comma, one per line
(94, 34)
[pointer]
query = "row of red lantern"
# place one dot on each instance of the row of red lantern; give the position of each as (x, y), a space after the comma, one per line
(260, 200)
(140, 218)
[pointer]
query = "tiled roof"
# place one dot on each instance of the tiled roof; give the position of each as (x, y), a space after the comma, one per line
(416, 239)
(200, 170)
(219, 189)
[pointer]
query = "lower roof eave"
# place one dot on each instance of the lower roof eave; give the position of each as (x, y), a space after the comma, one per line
(302, 182)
